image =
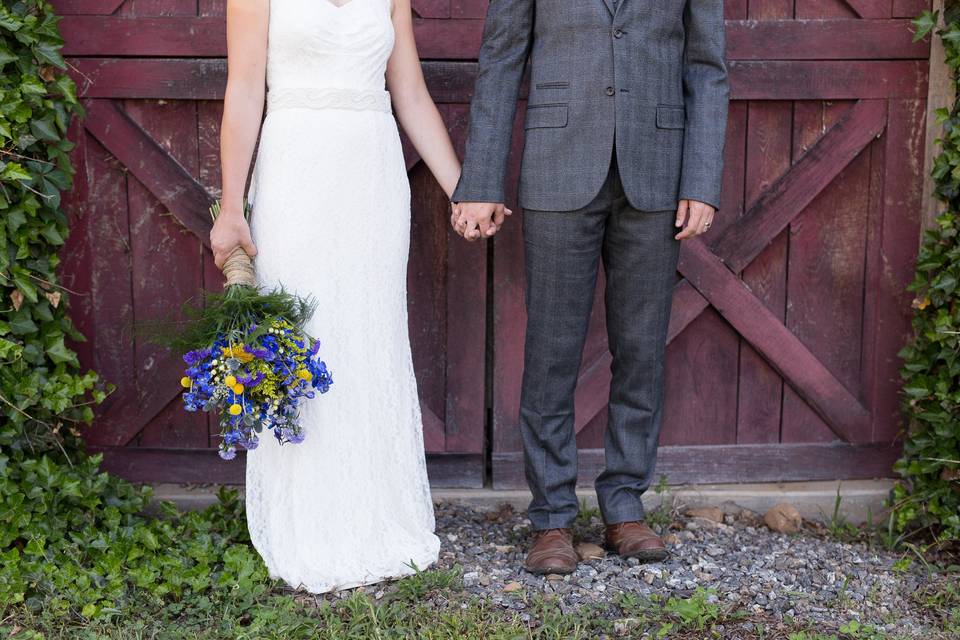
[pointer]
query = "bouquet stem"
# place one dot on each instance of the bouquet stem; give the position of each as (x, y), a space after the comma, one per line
(238, 269)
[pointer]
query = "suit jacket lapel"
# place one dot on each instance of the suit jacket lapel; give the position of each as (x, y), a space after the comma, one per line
(609, 5)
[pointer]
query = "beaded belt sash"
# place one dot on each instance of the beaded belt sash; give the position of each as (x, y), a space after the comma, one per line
(329, 98)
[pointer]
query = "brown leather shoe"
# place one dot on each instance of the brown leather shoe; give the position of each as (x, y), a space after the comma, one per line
(552, 552)
(635, 540)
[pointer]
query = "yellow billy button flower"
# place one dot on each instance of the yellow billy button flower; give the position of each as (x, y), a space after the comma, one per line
(235, 409)
(238, 388)
(306, 375)
(237, 352)
(229, 381)
(185, 382)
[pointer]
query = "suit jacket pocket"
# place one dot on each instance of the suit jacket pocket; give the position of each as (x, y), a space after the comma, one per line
(545, 115)
(671, 116)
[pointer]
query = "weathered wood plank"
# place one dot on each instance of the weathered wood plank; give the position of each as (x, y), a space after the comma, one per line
(452, 82)
(458, 39)
(427, 303)
(434, 437)
(769, 10)
(431, 8)
(819, 9)
(886, 295)
(767, 159)
(827, 80)
(700, 400)
(203, 466)
(908, 8)
(86, 7)
(465, 313)
(870, 8)
(509, 311)
(790, 357)
(826, 266)
(733, 463)
(108, 304)
(208, 150)
(167, 270)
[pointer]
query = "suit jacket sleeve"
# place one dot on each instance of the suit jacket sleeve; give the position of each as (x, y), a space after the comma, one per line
(507, 34)
(706, 95)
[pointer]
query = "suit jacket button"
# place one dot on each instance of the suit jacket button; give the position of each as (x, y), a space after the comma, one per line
(618, 33)
(610, 91)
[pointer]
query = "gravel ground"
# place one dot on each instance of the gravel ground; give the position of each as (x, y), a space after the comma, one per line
(810, 577)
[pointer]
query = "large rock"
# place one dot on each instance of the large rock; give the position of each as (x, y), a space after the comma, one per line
(783, 517)
(713, 514)
(590, 551)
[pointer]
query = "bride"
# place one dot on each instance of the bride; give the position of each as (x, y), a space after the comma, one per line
(350, 505)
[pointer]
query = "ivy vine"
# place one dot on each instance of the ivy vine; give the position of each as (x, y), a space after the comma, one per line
(929, 496)
(44, 396)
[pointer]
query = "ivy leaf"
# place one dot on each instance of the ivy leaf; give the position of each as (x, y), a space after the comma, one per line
(21, 323)
(24, 285)
(33, 86)
(9, 22)
(15, 218)
(6, 55)
(9, 350)
(925, 23)
(13, 171)
(45, 129)
(67, 87)
(59, 352)
(49, 54)
(50, 233)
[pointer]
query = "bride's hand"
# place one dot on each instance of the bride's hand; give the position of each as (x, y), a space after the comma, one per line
(230, 230)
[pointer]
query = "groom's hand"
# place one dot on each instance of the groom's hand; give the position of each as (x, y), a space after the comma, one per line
(698, 217)
(474, 220)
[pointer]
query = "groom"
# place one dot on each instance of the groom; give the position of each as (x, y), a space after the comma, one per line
(625, 127)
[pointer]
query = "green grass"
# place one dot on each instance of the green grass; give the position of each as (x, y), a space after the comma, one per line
(80, 560)
(431, 605)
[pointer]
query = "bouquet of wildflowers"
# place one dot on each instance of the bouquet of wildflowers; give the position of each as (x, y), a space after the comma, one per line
(248, 357)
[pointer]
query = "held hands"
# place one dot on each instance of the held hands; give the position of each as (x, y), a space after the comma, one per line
(698, 217)
(230, 230)
(475, 220)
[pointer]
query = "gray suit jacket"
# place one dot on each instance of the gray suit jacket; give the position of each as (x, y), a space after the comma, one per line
(646, 75)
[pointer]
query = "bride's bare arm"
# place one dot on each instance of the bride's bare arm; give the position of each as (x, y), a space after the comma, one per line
(242, 111)
(412, 103)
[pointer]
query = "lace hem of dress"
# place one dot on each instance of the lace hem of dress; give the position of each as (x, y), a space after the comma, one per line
(328, 98)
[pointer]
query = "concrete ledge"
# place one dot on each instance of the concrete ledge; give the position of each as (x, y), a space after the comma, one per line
(859, 499)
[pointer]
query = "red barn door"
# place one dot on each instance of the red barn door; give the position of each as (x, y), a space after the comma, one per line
(787, 317)
(152, 74)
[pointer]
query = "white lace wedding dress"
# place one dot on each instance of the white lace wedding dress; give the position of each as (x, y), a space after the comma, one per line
(350, 505)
